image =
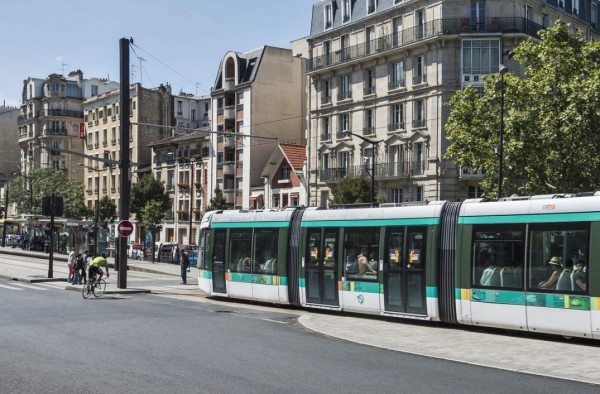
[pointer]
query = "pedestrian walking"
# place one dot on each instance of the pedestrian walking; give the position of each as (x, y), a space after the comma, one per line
(71, 265)
(185, 265)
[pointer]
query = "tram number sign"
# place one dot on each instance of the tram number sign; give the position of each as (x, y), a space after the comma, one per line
(125, 228)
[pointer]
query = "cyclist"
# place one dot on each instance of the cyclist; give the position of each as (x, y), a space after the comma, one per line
(95, 264)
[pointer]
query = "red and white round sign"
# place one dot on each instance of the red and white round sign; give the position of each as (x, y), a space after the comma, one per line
(125, 228)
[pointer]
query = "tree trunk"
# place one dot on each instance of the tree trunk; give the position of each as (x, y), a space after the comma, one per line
(153, 245)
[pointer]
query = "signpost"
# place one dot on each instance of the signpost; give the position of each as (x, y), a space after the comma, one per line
(125, 228)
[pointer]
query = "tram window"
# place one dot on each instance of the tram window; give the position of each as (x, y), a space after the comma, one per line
(204, 240)
(240, 248)
(219, 247)
(265, 251)
(558, 255)
(497, 256)
(361, 254)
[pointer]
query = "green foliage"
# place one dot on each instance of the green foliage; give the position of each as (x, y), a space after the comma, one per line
(352, 191)
(107, 211)
(218, 202)
(153, 214)
(146, 190)
(27, 191)
(551, 119)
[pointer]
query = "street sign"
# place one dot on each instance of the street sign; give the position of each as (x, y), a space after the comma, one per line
(125, 228)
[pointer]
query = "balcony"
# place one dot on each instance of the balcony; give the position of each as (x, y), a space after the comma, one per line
(469, 174)
(435, 28)
(419, 79)
(417, 167)
(229, 112)
(325, 99)
(60, 112)
(229, 195)
(369, 90)
(344, 134)
(344, 96)
(396, 127)
(229, 142)
(55, 131)
(419, 123)
(326, 137)
(229, 84)
(382, 171)
(228, 168)
(396, 84)
(369, 130)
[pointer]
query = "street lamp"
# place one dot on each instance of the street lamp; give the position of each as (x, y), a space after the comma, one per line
(373, 146)
(499, 83)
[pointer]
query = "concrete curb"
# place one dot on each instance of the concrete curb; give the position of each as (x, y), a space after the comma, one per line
(32, 280)
(112, 291)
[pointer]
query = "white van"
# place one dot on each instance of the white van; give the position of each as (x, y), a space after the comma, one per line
(163, 251)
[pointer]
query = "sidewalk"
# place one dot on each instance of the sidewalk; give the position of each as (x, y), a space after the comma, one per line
(539, 355)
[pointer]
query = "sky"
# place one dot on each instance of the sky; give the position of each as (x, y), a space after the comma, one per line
(181, 42)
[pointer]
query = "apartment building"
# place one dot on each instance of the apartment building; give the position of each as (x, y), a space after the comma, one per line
(384, 69)
(258, 101)
(151, 115)
(285, 181)
(181, 162)
(51, 118)
(190, 112)
(9, 135)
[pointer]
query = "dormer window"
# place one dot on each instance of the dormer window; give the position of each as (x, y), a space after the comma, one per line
(328, 16)
(346, 10)
(371, 6)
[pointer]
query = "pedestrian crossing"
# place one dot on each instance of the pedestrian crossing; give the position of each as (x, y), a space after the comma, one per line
(19, 286)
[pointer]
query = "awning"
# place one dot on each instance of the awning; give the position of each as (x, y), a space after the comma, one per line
(256, 196)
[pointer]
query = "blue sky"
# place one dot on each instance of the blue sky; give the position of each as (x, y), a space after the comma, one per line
(189, 36)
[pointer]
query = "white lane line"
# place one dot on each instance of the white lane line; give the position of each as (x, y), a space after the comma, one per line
(10, 287)
(31, 287)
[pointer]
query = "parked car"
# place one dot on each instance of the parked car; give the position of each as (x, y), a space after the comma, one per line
(12, 240)
(135, 251)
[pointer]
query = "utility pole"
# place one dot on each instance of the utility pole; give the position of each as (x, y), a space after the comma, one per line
(124, 165)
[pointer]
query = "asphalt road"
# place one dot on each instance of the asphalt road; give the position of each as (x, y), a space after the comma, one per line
(54, 341)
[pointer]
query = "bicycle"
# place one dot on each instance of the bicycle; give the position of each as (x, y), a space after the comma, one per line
(94, 286)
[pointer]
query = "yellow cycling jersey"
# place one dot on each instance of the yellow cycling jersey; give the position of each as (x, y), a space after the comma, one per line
(99, 262)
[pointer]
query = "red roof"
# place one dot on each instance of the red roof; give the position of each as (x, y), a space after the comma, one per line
(295, 154)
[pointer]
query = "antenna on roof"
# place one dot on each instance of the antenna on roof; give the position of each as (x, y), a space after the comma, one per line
(63, 68)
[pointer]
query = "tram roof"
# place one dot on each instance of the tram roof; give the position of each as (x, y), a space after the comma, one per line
(533, 209)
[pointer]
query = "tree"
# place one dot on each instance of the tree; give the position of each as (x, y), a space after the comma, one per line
(551, 116)
(27, 192)
(153, 214)
(146, 190)
(352, 191)
(218, 202)
(107, 211)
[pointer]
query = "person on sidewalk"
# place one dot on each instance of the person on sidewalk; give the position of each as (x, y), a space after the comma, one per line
(71, 265)
(185, 264)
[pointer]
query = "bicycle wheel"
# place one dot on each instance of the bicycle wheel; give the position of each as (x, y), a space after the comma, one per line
(86, 291)
(99, 287)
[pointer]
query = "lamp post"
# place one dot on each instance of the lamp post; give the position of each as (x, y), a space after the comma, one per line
(373, 146)
(499, 83)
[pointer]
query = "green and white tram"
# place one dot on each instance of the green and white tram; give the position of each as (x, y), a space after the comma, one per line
(527, 264)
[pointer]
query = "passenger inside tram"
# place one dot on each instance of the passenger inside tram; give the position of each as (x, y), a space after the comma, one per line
(364, 268)
(485, 260)
(557, 269)
(578, 275)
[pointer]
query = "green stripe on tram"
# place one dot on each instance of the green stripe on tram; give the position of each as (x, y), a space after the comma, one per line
(431, 292)
(520, 298)
(533, 218)
(258, 279)
(371, 222)
(249, 224)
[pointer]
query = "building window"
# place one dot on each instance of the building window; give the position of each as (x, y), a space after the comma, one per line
(395, 195)
(370, 39)
(594, 15)
(343, 159)
(94, 90)
(479, 57)
(325, 161)
(397, 33)
(324, 199)
(328, 16)
(344, 125)
(344, 89)
(420, 23)
(575, 7)
(325, 92)
(193, 115)
(285, 173)
(368, 159)
(294, 200)
(371, 6)
(475, 192)
(325, 129)
(345, 47)
(396, 117)
(397, 75)
(346, 10)
(418, 165)
(369, 82)
(419, 113)
(369, 122)
(419, 192)
(419, 71)
(477, 15)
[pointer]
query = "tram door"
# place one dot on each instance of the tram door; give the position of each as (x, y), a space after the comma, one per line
(218, 263)
(321, 269)
(404, 270)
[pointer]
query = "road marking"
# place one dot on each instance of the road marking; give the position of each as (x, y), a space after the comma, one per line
(10, 287)
(32, 287)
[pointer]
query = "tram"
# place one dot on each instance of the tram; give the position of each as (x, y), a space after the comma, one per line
(525, 263)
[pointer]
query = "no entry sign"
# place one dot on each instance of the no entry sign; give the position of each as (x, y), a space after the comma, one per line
(125, 228)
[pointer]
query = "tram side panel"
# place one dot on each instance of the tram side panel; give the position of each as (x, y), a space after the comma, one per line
(594, 279)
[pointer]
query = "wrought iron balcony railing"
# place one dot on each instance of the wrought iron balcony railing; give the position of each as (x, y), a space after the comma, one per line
(438, 27)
